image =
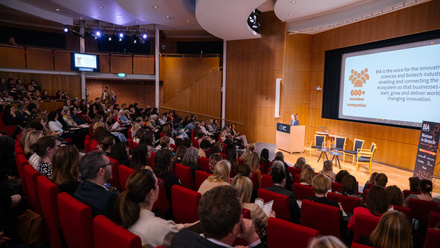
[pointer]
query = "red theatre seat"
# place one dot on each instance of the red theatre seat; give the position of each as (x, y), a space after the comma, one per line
(185, 204)
(321, 217)
(108, 234)
(280, 203)
(420, 210)
(115, 172)
(266, 181)
(47, 194)
(356, 245)
(364, 225)
(347, 202)
(433, 219)
(184, 173)
(302, 191)
(200, 177)
(162, 202)
(336, 187)
(30, 176)
(75, 221)
(124, 173)
(294, 171)
(204, 163)
(432, 239)
(281, 232)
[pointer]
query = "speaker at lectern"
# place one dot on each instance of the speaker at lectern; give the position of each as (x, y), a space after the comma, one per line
(290, 138)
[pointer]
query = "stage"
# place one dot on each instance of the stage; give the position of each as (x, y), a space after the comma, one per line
(395, 175)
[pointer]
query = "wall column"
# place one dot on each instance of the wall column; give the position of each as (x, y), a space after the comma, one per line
(224, 84)
(82, 49)
(156, 59)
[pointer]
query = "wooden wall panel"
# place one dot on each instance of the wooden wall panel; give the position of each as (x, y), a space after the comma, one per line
(62, 61)
(39, 59)
(143, 65)
(12, 57)
(121, 64)
(104, 64)
(51, 83)
(396, 146)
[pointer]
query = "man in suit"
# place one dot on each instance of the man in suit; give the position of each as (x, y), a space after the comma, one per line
(106, 97)
(279, 181)
(221, 222)
(95, 169)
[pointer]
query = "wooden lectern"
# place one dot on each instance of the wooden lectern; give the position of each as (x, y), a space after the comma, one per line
(290, 138)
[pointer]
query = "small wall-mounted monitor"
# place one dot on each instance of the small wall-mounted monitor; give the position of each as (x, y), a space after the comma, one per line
(84, 62)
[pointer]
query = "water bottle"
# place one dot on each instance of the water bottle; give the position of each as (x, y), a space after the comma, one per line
(322, 146)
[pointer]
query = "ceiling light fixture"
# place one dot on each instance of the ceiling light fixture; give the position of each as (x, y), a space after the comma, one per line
(119, 16)
(290, 14)
(66, 29)
(144, 36)
(121, 35)
(292, 2)
(109, 38)
(100, 7)
(98, 34)
(57, 10)
(155, 7)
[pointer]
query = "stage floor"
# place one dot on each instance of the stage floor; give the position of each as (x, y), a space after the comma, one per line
(395, 175)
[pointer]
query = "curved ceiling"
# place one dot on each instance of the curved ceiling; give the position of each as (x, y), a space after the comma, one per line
(225, 19)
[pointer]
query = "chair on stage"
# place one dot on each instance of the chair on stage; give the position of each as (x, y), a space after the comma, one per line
(340, 143)
(357, 144)
(319, 140)
(365, 156)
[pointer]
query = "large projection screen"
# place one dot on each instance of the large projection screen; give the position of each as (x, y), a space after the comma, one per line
(396, 85)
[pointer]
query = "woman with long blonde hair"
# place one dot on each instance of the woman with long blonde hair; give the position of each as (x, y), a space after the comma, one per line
(219, 177)
(65, 168)
(393, 231)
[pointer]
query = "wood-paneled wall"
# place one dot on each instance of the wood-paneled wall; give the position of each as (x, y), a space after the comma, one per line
(252, 69)
(12, 57)
(51, 83)
(253, 66)
(192, 84)
(396, 146)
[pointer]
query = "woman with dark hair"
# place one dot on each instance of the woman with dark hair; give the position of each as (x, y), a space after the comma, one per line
(148, 139)
(395, 196)
(300, 162)
(106, 143)
(349, 186)
(133, 211)
(425, 192)
(279, 156)
(376, 205)
(9, 116)
(231, 156)
(180, 152)
(45, 148)
(340, 175)
(120, 152)
(140, 157)
(162, 163)
(65, 168)
(45, 95)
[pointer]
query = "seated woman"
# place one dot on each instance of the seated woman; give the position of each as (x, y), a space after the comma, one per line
(105, 144)
(376, 204)
(31, 138)
(393, 230)
(213, 160)
(162, 163)
(321, 184)
(306, 176)
(425, 192)
(120, 152)
(395, 196)
(219, 178)
(65, 168)
(340, 175)
(259, 218)
(45, 148)
(300, 162)
(190, 159)
(140, 157)
(133, 211)
(349, 186)
(327, 170)
(279, 156)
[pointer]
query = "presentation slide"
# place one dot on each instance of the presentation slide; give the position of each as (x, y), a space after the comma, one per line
(85, 60)
(397, 85)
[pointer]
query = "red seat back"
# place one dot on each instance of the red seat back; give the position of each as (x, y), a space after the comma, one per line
(433, 219)
(266, 181)
(294, 171)
(296, 178)
(281, 232)
(86, 145)
(347, 202)
(185, 204)
(240, 161)
(407, 192)
(21, 161)
(184, 173)
(357, 245)
(280, 203)
(132, 144)
(75, 221)
(162, 202)
(420, 210)
(302, 191)
(364, 225)
(321, 217)
(93, 145)
(47, 194)
(115, 172)
(432, 239)
(200, 177)
(336, 187)
(223, 155)
(173, 147)
(405, 210)
(254, 179)
(30, 176)
(204, 163)
(195, 143)
(91, 130)
(124, 173)
(108, 234)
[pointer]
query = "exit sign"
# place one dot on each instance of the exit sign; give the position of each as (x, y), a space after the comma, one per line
(121, 75)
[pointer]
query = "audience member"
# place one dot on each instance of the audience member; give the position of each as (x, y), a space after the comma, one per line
(279, 156)
(190, 159)
(205, 145)
(279, 181)
(321, 184)
(95, 170)
(140, 157)
(395, 196)
(414, 183)
(119, 152)
(306, 176)
(45, 148)
(326, 242)
(213, 160)
(370, 181)
(381, 179)
(162, 163)
(425, 192)
(341, 174)
(218, 178)
(349, 186)
(219, 229)
(327, 170)
(65, 168)
(300, 162)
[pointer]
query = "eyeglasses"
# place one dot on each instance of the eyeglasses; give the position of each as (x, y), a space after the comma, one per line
(109, 163)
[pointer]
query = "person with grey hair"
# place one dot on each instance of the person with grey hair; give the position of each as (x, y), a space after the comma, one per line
(190, 159)
(95, 169)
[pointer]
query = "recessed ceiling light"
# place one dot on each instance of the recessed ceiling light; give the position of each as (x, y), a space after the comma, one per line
(292, 1)
(291, 14)
(118, 16)
(57, 9)
(155, 7)
(170, 17)
(100, 7)
(137, 22)
(81, 18)
(187, 21)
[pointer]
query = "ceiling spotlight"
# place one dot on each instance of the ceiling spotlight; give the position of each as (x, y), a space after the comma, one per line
(66, 30)
(144, 36)
(98, 34)
(292, 1)
(100, 7)
(121, 35)
(120, 39)
(109, 38)
(155, 7)
(57, 10)
(118, 16)
(134, 41)
(290, 14)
